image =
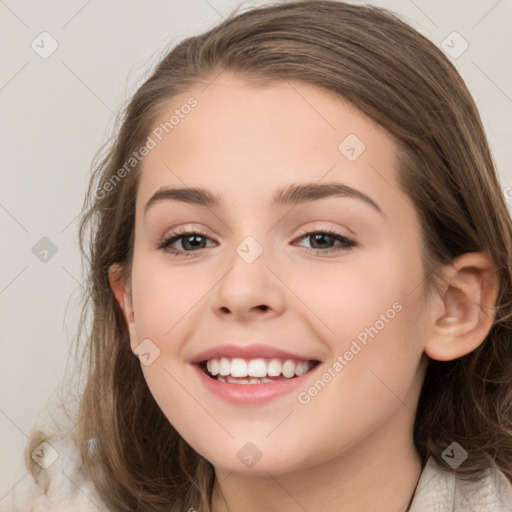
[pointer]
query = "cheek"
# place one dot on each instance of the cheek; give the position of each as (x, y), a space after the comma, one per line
(348, 296)
(372, 375)
(368, 312)
(164, 299)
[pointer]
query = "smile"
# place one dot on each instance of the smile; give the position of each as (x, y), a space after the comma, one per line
(247, 373)
(267, 384)
(255, 371)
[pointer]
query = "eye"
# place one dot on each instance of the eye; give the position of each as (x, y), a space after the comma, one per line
(190, 241)
(323, 240)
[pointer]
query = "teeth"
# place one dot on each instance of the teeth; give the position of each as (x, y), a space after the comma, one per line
(239, 367)
(224, 366)
(274, 368)
(255, 369)
(214, 367)
(289, 369)
(232, 380)
(301, 369)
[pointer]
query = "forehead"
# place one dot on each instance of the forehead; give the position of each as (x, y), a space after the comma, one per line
(259, 138)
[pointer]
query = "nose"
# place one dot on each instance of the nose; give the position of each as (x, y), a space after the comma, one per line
(249, 290)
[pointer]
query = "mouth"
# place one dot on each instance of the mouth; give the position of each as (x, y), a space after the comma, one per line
(255, 371)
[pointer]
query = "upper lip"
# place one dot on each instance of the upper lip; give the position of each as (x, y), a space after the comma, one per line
(253, 351)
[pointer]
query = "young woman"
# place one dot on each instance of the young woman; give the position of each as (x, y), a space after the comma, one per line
(300, 234)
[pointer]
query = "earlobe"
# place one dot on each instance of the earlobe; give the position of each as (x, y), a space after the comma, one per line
(463, 316)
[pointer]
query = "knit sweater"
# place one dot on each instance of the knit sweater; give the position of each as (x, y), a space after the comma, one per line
(64, 486)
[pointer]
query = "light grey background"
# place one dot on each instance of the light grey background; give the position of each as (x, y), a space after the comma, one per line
(57, 111)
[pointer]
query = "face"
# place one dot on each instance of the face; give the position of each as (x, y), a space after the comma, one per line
(272, 281)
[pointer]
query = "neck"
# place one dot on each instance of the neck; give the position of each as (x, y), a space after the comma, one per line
(380, 472)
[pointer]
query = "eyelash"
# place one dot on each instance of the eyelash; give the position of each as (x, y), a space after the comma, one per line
(348, 244)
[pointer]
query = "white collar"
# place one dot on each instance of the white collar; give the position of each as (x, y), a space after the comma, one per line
(445, 491)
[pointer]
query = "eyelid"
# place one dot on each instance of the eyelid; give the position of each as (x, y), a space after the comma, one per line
(188, 228)
(191, 228)
(323, 226)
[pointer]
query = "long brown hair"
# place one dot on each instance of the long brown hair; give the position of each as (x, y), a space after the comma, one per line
(400, 79)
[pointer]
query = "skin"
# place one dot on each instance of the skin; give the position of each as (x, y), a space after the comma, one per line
(351, 447)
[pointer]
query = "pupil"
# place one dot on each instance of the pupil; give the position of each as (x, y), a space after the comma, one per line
(196, 240)
(321, 236)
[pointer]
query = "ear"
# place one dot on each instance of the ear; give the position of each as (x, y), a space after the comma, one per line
(121, 286)
(464, 313)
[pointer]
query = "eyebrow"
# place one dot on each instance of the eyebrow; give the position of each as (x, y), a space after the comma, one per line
(296, 193)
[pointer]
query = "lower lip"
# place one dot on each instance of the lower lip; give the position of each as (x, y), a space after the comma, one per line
(252, 393)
